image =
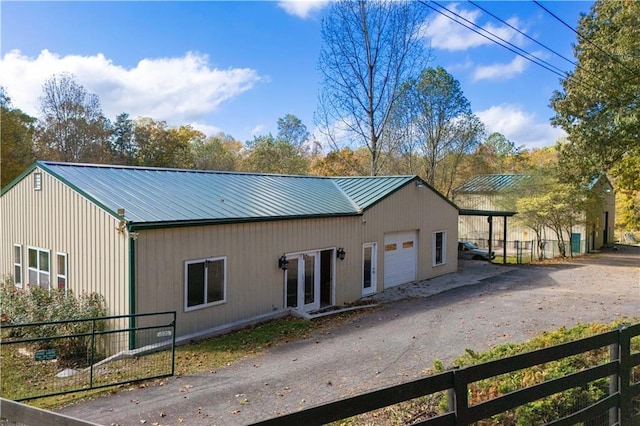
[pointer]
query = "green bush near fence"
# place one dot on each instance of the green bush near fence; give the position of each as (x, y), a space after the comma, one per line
(39, 305)
(547, 409)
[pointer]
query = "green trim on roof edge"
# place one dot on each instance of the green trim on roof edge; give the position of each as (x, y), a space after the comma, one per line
(78, 190)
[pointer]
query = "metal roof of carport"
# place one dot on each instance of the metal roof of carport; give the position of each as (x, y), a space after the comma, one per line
(159, 197)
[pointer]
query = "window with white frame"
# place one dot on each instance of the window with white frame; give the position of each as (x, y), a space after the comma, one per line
(39, 267)
(61, 271)
(205, 282)
(17, 265)
(439, 247)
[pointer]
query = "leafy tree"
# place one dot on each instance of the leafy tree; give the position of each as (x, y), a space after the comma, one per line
(72, 126)
(598, 105)
(440, 125)
(266, 154)
(16, 132)
(544, 201)
(162, 146)
(369, 48)
(292, 130)
(123, 146)
(345, 162)
(502, 154)
(218, 152)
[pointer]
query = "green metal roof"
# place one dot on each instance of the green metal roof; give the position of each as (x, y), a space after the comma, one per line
(154, 197)
(488, 184)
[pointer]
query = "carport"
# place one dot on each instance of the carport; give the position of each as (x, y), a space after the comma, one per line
(490, 214)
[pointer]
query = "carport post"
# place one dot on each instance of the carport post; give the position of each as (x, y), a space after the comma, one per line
(490, 220)
(504, 239)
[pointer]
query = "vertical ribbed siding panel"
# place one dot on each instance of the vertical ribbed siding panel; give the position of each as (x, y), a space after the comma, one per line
(60, 220)
(413, 208)
(255, 284)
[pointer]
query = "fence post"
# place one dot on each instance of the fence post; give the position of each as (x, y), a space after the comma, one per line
(92, 353)
(461, 396)
(614, 380)
(173, 344)
(624, 340)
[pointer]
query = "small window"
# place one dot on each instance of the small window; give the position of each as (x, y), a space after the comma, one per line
(17, 265)
(205, 282)
(62, 272)
(39, 268)
(439, 248)
(390, 247)
(37, 181)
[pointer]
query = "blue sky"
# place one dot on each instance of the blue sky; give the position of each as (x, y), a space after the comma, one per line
(238, 66)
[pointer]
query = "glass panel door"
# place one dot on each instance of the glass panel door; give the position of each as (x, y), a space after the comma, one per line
(369, 268)
(292, 282)
(310, 281)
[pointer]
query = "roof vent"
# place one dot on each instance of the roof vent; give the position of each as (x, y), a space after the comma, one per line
(37, 181)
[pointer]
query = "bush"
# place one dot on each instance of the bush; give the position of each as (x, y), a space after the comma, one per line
(38, 305)
(550, 408)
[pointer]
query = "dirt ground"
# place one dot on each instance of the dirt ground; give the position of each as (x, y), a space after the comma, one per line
(478, 307)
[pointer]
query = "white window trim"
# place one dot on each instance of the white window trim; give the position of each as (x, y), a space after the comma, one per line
(444, 248)
(186, 283)
(18, 281)
(66, 272)
(37, 270)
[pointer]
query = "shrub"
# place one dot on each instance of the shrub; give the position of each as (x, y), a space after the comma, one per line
(546, 409)
(38, 305)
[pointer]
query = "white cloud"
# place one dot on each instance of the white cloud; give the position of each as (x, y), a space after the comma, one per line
(501, 71)
(177, 90)
(205, 128)
(258, 129)
(302, 8)
(519, 126)
(449, 35)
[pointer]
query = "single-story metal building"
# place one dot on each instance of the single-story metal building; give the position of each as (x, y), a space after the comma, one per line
(221, 247)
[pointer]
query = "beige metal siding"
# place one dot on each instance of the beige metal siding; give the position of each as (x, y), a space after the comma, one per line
(59, 219)
(255, 284)
(416, 208)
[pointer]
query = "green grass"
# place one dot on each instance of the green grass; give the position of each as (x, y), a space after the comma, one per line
(21, 374)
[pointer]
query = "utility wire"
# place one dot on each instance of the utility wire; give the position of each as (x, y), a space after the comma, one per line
(587, 40)
(528, 56)
(522, 33)
(564, 74)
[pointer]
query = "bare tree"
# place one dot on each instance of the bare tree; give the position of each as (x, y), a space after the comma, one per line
(369, 49)
(72, 127)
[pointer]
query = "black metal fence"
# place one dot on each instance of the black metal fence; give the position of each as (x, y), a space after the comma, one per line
(527, 251)
(57, 357)
(619, 405)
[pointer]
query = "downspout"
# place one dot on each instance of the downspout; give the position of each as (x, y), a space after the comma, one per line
(132, 291)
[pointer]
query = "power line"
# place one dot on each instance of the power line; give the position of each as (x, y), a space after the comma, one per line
(586, 39)
(528, 56)
(522, 33)
(563, 74)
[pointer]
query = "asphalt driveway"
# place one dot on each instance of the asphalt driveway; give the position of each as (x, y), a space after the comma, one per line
(479, 307)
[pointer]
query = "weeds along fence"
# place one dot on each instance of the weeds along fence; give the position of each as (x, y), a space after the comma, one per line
(57, 357)
(597, 393)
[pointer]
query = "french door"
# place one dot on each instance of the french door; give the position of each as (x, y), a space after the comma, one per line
(302, 280)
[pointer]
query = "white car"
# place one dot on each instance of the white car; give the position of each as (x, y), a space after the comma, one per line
(469, 250)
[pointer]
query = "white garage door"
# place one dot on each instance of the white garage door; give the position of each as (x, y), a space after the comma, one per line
(400, 258)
